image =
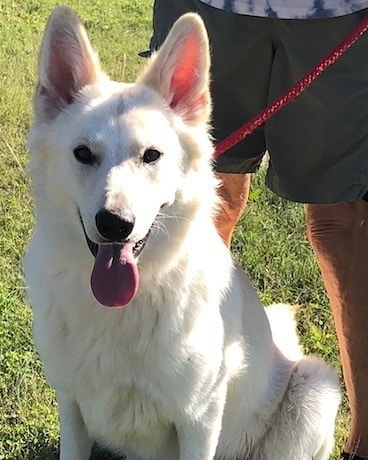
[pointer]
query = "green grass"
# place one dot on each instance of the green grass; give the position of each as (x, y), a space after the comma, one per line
(269, 242)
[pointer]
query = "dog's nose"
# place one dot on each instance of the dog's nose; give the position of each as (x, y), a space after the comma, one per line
(112, 227)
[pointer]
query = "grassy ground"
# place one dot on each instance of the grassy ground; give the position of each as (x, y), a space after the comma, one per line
(269, 242)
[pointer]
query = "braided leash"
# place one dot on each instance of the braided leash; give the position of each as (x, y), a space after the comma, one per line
(294, 92)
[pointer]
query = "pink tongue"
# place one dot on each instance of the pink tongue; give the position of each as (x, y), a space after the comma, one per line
(114, 279)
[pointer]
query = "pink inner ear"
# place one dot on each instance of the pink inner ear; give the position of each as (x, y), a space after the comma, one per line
(61, 72)
(185, 77)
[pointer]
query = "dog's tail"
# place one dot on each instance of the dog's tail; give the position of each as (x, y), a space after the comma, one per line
(305, 418)
(284, 332)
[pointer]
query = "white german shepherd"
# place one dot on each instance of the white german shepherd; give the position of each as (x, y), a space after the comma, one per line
(125, 198)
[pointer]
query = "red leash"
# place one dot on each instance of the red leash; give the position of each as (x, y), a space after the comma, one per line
(294, 92)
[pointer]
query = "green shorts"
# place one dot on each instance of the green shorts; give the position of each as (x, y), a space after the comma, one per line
(318, 144)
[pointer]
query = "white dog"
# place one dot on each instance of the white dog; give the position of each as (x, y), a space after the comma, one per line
(125, 197)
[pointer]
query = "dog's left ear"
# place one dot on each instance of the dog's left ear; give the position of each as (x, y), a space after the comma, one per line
(179, 71)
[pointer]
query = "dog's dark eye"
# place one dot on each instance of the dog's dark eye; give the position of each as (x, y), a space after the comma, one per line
(84, 155)
(151, 155)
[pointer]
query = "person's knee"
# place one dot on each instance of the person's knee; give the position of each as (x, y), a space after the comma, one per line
(332, 227)
(234, 191)
(322, 223)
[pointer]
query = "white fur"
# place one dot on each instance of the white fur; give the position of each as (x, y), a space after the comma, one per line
(188, 370)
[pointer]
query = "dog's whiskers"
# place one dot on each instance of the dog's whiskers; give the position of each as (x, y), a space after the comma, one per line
(160, 226)
(167, 216)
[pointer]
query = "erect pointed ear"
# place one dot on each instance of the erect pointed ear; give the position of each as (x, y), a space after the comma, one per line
(67, 63)
(179, 71)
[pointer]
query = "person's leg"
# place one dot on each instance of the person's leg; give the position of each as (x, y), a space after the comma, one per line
(339, 236)
(234, 192)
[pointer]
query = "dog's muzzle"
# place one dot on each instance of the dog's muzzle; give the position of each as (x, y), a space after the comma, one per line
(93, 247)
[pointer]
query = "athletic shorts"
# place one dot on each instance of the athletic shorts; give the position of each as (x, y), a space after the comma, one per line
(318, 144)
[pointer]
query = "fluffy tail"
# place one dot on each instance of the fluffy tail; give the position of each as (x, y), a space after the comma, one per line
(303, 424)
(284, 332)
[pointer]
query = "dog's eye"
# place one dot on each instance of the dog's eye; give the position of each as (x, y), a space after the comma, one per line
(151, 155)
(84, 155)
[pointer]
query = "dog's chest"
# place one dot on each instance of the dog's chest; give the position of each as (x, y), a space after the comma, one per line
(132, 371)
(110, 349)
(120, 376)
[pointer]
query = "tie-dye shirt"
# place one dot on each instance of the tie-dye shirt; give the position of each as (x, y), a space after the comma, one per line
(290, 9)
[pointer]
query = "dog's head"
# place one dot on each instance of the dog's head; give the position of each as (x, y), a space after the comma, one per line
(121, 164)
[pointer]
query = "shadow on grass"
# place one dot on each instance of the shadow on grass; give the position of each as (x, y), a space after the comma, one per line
(39, 451)
(101, 454)
(51, 452)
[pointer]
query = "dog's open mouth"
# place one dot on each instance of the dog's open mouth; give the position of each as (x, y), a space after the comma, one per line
(137, 248)
(115, 277)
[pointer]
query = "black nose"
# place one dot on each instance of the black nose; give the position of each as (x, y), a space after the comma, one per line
(112, 227)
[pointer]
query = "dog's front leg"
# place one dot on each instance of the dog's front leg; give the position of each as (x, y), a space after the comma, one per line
(75, 443)
(198, 440)
(198, 437)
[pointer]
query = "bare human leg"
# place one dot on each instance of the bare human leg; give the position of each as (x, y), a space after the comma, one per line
(339, 236)
(234, 192)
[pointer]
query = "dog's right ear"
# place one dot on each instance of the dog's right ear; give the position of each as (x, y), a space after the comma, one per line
(67, 63)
